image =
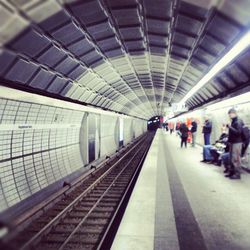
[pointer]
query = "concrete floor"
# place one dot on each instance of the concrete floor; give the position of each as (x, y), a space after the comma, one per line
(180, 203)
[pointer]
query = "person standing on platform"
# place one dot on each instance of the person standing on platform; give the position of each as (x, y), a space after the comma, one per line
(166, 126)
(184, 134)
(207, 129)
(171, 127)
(235, 144)
(193, 131)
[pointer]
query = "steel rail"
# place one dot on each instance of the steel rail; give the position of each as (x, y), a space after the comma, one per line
(98, 201)
(101, 244)
(54, 221)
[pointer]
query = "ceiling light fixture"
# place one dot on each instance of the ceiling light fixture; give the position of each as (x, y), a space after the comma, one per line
(241, 45)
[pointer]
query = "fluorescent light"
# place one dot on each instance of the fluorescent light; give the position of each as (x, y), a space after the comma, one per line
(241, 45)
(231, 102)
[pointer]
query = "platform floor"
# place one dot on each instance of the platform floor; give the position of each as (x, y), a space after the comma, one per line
(180, 203)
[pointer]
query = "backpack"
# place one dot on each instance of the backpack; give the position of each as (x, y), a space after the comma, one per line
(245, 134)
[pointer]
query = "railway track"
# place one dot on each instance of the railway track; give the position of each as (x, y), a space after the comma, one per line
(82, 219)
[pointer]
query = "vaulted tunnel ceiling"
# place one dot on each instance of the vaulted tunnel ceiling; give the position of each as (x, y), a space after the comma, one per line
(130, 56)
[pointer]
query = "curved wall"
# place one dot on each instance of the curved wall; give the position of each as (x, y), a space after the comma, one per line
(42, 142)
(39, 144)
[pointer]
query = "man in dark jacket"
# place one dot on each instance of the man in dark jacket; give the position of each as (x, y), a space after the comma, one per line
(235, 144)
(207, 129)
(193, 131)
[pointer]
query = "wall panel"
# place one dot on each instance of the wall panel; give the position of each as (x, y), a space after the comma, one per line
(128, 131)
(39, 144)
(109, 134)
(138, 127)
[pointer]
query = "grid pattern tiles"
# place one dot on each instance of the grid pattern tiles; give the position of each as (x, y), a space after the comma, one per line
(39, 144)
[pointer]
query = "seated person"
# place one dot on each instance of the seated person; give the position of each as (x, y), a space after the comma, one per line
(211, 153)
(219, 148)
(207, 157)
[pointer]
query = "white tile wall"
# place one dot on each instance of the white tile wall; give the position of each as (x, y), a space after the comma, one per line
(109, 135)
(128, 132)
(39, 144)
(139, 127)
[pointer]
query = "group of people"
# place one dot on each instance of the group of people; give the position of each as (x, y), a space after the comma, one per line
(183, 131)
(230, 148)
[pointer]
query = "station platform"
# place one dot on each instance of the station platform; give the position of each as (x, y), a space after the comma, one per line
(180, 203)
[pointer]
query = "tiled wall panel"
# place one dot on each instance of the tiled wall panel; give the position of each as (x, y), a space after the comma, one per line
(128, 132)
(109, 135)
(138, 127)
(39, 144)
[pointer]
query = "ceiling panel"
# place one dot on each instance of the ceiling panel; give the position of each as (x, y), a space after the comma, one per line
(130, 56)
